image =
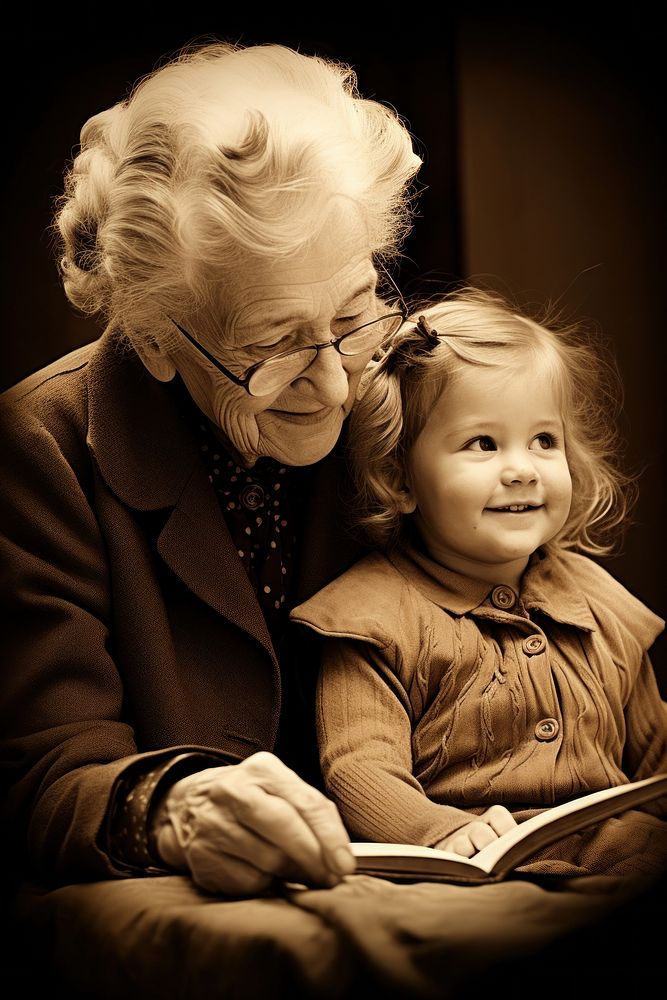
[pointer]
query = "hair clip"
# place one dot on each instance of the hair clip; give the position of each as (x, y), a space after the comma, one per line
(428, 333)
(405, 353)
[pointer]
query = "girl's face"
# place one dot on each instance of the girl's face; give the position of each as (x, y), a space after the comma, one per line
(489, 480)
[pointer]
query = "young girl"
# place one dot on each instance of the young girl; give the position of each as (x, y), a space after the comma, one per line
(476, 667)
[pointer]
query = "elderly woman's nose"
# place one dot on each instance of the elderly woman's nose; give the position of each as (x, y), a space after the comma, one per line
(328, 378)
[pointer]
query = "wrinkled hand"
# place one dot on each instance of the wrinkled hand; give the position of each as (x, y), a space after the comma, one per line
(238, 827)
(481, 831)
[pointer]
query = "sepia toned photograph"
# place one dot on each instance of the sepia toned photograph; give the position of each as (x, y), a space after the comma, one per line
(332, 491)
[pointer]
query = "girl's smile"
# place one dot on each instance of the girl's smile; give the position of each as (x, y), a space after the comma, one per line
(489, 480)
(520, 508)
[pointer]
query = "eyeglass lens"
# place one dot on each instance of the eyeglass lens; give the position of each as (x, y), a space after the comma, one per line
(276, 372)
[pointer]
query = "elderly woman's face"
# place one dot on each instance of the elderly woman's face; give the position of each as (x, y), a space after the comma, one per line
(274, 308)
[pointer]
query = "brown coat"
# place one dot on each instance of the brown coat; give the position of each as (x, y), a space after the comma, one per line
(131, 624)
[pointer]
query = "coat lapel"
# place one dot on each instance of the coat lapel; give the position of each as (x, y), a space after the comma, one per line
(196, 544)
(147, 454)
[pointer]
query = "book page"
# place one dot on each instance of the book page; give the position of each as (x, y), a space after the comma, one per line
(363, 849)
(487, 859)
(489, 856)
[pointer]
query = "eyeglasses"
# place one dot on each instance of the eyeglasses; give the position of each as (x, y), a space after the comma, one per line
(271, 374)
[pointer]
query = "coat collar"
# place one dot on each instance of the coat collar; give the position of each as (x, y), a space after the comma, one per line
(545, 587)
(144, 448)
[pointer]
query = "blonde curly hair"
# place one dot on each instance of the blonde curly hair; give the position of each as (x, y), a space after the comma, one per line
(476, 327)
(223, 151)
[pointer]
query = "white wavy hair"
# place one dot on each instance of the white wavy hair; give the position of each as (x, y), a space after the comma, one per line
(221, 152)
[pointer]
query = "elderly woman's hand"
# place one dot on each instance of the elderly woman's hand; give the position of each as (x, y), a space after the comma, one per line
(238, 827)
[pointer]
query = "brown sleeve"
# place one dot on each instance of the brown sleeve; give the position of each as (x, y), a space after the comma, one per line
(364, 734)
(645, 750)
(65, 742)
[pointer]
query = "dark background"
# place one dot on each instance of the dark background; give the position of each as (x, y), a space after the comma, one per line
(543, 139)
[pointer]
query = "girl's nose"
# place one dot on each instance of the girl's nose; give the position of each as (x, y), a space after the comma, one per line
(519, 470)
(327, 377)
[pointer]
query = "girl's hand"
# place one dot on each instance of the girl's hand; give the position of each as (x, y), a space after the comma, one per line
(481, 831)
(238, 827)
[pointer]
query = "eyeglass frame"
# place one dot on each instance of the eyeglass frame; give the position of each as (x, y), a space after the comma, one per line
(244, 379)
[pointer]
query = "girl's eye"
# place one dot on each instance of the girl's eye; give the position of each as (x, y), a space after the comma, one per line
(543, 442)
(482, 443)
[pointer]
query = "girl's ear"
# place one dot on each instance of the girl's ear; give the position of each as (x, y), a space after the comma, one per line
(406, 502)
(156, 360)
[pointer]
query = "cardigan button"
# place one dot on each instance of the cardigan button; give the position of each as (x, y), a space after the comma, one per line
(534, 644)
(503, 597)
(547, 730)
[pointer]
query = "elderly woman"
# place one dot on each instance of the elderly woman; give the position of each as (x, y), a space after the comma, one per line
(170, 491)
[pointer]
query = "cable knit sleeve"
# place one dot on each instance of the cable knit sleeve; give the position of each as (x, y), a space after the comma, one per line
(646, 720)
(372, 690)
(364, 733)
(629, 630)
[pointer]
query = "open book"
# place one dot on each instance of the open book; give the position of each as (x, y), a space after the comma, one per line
(411, 863)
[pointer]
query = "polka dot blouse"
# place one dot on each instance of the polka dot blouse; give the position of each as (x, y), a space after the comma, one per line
(260, 507)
